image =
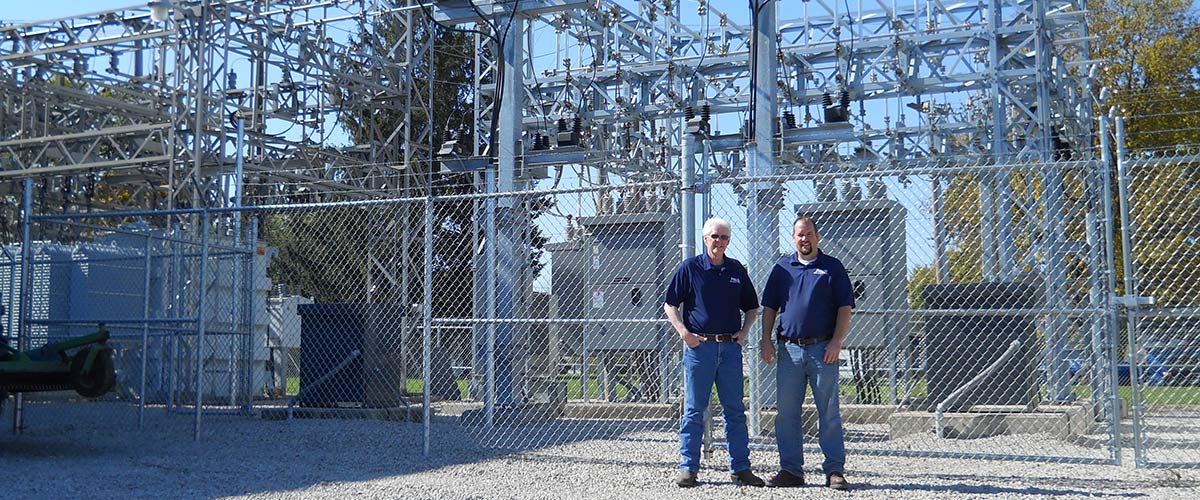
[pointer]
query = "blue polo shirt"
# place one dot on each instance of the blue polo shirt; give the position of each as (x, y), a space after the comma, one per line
(712, 297)
(807, 297)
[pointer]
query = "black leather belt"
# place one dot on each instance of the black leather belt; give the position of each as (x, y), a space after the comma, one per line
(718, 338)
(801, 340)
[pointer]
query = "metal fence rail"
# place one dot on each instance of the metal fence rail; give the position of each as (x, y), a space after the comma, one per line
(535, 317)
(1162, 371)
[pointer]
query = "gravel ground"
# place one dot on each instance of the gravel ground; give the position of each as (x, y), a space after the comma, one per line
(96, 451)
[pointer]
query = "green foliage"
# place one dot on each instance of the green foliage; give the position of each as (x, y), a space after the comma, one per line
(330, 270)
(338, 268)
(1151, 54)
(1151, 63)
(1165, 208)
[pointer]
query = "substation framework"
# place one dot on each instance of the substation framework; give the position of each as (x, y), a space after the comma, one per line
(152, 101)
(639, 91)
(118, 100)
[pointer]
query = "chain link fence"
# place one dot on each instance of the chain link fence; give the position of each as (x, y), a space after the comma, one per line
(175, 306)
(1162, 370)
(985, 324)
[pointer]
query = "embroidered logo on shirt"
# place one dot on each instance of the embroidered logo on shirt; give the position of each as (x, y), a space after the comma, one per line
(820, 272)
(734, 279)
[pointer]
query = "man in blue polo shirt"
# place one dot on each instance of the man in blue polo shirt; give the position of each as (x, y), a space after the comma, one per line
(705, 302)
(811, 295)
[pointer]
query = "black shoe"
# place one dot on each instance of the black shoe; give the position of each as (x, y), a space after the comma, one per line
(685, 478)
(746, 478)
(785, 479)
(837, 481)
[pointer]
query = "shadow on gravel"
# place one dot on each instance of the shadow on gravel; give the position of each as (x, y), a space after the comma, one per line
(236, 455)
(988, 489)
(994, 485)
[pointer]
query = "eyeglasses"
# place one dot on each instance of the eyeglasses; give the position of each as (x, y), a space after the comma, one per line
(721, 237)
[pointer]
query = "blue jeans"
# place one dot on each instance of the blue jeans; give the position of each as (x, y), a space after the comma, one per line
(799, 368)
(709, 363)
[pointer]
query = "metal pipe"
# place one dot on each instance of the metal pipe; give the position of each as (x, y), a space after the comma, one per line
(23, 327)
(238, 270)
(1139, 444)
(687, 206)
(200, 313)
(238, 170)
(941, 407)
(940, 257)
(114, 321)
(427, 337)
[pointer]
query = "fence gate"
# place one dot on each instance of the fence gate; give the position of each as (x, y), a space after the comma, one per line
(1161, 376)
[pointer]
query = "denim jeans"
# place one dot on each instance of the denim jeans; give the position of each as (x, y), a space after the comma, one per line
(706, 364)
(802, 366)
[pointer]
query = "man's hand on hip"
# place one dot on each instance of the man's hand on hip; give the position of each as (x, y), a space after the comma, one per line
(692, 340)
(740, 337)
(766, 350)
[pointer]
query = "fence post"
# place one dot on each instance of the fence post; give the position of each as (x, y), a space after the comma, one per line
(200, 323)
(1108, 341)
(427, 340)
(26, 294)
(489, 402)
(248, 312)
(146, 262)
(1139, 452)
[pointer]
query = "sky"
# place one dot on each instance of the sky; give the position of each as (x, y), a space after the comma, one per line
(19, 11)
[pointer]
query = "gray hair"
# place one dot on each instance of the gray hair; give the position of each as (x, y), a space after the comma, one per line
(714, 223)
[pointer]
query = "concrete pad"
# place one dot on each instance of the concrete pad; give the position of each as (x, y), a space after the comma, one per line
(515, 416)
(954, 425)
(603, 410)
(412, 413)
(906, 423)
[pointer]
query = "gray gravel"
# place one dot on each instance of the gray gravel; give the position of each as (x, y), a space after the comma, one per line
(96, 451)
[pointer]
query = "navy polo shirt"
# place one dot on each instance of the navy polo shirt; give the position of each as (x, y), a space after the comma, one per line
(712, 297)
(808, 297)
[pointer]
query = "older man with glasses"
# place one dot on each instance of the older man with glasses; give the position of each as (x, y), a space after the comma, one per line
(712, 305)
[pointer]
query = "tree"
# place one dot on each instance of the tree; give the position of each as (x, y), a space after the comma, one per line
(394, 234)
(355, 240)
(1151, 66)
(1151, 54)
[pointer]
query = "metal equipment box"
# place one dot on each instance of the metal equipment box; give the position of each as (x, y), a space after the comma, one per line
(868, 237)
(959, 346)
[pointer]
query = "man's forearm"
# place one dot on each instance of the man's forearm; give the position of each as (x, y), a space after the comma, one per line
(675, 319)
(768, 323)
(748, 319)
(842, 326)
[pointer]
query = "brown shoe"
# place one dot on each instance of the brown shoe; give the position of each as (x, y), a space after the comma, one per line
(785, 479)
(685, 478)
(746, 478)
(837, 481)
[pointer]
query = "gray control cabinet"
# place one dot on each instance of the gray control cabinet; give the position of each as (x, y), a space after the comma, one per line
(868, 237)
(628, 263)
(610, 281)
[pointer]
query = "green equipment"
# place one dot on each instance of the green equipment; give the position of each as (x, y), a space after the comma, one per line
(88, 370)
